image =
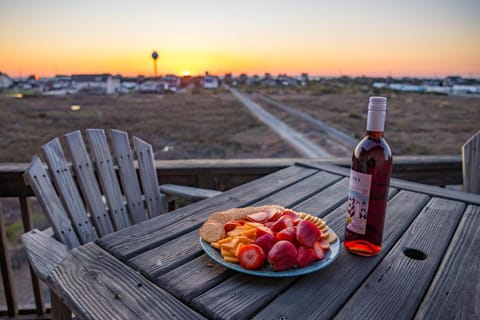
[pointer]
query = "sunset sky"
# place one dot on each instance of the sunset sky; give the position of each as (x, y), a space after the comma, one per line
(430, 38)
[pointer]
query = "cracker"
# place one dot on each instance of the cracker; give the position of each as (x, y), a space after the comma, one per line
(332, 237)
(212, 231)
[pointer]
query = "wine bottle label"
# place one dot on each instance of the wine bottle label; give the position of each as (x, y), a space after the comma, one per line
(357, 204)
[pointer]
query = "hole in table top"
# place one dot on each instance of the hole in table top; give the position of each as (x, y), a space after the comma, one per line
(414, 254)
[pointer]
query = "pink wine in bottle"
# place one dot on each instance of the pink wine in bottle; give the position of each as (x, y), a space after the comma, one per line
(368, 187)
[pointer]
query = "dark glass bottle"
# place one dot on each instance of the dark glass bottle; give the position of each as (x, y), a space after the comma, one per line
(369, 183)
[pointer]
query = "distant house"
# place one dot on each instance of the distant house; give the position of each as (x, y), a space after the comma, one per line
(152, 86)
(255, 79)
(172, 82)
(228, 79)
(5, 81)
(304, 79)
(96, 83)
(243, 78)
(210, 82)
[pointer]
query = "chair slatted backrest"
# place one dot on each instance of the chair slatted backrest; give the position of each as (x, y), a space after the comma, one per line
(148, 177)
(88, 184)
(37, 177)
(107, 177)
(471, 164)
(91, 202)
(128, 175)
(68, 191)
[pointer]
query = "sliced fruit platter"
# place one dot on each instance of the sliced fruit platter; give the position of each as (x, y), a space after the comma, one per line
(270, 241)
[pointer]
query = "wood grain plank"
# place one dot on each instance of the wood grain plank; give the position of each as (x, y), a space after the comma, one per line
(431, 190)
(149, 234)
(128, 175)
(96, 286)
(193, 278)
(240, 296)
(395, 288)
(88, 183)
(27, 220)
(6, 268)
(471, 164)
(294, 194)
(68, 191)
(108, 179)
(37, 177)
(335, 284)
(44, 252)
(455, 290)
(148, 177)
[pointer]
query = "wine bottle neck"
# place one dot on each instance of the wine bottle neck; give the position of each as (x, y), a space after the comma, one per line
(377, 135)
(376, 121)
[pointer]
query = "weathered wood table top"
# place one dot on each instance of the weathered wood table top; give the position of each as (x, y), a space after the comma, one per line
(429, 266)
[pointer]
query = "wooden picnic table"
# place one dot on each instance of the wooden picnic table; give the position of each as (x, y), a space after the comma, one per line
(428, 267)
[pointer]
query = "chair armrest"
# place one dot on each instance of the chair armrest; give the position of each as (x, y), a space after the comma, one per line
(43, 251)
(189, 193)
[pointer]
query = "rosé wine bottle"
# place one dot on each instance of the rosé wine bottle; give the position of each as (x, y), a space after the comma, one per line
(369, 182)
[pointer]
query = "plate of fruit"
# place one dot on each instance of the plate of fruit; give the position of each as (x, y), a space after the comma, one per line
(269, 241)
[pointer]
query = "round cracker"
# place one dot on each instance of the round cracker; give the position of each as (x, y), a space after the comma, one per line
(212, 231)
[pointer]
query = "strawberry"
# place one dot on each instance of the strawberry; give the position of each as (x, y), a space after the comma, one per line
(305, 256)
(307, 233)
(230, 225)
(251, 256)
(296, 219)
(261, 230)
(283, 255)
(282, 223)
(288, 234)
(265, 242)
(319, 251)
(324, 244)
(274, 215)
(260, 217)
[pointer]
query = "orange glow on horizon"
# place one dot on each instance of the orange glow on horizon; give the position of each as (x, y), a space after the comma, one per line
(355, 38)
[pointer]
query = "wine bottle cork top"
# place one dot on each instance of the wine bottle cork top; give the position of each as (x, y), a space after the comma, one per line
(377, 104)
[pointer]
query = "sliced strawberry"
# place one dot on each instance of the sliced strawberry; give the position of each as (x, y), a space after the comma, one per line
(274, 215)
(241, 222)
(324, 244)
(288, 234)
(261, 230)
(282, 223)
(319, 251)
(296, 219)
(251, 256)
(260, 217)
(230, 225)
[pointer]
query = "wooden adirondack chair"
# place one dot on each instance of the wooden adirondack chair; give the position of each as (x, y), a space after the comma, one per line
(471, 164)
(91, 198)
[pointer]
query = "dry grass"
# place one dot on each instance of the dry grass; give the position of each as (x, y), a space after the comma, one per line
(215, 125)
(417, 124)
(187, 125)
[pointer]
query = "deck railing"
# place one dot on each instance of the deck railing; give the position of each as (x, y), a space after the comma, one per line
(213, 174)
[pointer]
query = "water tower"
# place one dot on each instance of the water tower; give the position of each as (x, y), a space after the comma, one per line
(155, 57)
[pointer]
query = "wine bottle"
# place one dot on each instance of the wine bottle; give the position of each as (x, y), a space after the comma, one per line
(369, 183)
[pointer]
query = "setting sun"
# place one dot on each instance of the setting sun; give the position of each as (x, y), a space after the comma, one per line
(185, 73)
